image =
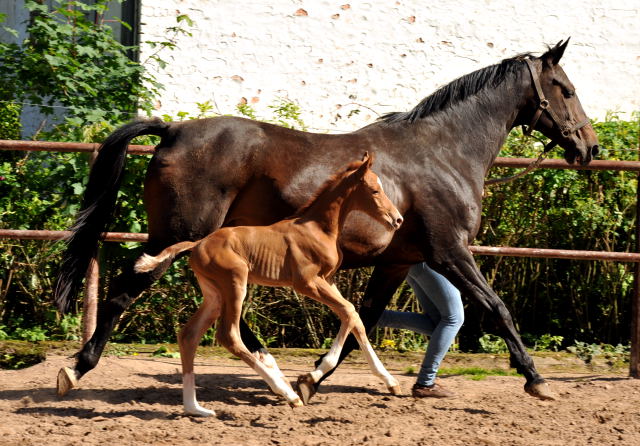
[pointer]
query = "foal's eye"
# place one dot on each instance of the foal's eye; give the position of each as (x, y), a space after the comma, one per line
(569, 93)
(375, 192)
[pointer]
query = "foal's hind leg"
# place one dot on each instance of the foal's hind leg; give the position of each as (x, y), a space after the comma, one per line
(228, 334)
(190, 337)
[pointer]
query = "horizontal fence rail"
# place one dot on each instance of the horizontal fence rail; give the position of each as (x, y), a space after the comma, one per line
(570, 254)
(90, 301)
(46, 146)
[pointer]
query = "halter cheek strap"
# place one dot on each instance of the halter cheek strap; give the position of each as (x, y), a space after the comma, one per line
(543, 106)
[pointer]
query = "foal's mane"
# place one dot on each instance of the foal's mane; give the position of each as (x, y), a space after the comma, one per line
(327, 185)
(460, 89)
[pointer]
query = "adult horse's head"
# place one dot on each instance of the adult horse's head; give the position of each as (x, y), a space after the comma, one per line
(554, 109)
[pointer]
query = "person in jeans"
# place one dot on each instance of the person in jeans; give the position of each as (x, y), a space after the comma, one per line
(442, 317)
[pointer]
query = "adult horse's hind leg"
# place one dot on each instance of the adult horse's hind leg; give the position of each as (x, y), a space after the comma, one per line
(189, 338)
(458, 265)
(126, 287)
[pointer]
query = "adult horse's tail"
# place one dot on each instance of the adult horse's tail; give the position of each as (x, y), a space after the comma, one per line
(97, 208)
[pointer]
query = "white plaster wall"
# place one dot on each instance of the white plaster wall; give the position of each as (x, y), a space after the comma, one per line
(334, 57)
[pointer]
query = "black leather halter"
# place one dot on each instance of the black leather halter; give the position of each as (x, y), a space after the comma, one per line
(543, 106)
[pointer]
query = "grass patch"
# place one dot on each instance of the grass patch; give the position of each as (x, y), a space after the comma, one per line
(477, 373)
(19, 355)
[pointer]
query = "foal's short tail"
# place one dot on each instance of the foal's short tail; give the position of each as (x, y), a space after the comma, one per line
(148, 263)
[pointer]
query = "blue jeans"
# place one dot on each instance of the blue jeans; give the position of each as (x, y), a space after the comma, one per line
(442, 318)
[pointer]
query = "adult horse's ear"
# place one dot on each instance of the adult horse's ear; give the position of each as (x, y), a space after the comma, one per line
(553, 55)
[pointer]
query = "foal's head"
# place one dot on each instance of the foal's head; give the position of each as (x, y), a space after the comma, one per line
(369, 197)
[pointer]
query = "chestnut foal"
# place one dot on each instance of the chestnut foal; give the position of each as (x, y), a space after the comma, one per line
(301, 252)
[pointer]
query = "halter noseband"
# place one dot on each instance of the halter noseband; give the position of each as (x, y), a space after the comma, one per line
(544, 105)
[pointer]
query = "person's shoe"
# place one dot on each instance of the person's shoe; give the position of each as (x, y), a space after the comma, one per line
(433, 391)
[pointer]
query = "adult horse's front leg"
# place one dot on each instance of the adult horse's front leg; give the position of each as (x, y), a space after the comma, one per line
(126, 287)
(458, 265)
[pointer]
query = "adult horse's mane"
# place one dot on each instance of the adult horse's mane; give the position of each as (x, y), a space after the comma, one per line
(331, 181)
(460, 89)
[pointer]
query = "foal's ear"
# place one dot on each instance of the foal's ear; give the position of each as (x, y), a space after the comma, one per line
(363, 168)
(553, 55)
(367, 159)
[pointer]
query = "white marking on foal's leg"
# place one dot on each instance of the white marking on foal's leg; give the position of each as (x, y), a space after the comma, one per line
(330, 360)
(378, 368)
(269, 361)
(277, 382)
(191, 406)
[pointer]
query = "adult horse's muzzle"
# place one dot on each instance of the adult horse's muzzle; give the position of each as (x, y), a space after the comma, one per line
(582, 146)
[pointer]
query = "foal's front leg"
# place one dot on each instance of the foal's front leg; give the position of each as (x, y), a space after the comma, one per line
(350, 322)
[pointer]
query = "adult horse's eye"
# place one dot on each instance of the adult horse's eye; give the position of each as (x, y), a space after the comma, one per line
(569, 93)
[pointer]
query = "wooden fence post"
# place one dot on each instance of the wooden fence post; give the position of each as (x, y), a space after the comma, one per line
(90, 303)
(92, 282)
(634, 355)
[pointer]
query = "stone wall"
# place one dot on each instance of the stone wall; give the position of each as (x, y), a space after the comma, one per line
(345, 62)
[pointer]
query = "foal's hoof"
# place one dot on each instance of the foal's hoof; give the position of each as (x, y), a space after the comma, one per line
(305, 387)
(296, 403)
(395, 390)
(540, 389)
(67, 380)
(199, 412)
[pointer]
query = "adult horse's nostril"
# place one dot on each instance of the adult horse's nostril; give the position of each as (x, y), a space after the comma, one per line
(399, 221)
(595, 149)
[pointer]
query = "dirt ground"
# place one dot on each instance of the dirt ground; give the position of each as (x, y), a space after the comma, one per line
(136, 400)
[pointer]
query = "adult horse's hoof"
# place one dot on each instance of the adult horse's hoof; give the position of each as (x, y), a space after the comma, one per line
(67, 380)
(540, 389)
(395, 390)
(305, 387)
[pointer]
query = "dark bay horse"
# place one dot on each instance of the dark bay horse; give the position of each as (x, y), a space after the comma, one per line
(301, 252)
(229, 171)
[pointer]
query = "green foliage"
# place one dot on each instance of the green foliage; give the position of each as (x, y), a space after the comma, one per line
(543, 343)
(165, 352)
(611, 354)
(492, 344)
(285, 113)
(9, 120)
(17, 355)
(70, 61)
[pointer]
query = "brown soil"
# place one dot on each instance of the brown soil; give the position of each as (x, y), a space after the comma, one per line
(136, 400)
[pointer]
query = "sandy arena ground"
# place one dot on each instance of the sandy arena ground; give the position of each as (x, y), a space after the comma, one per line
(136, 400)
